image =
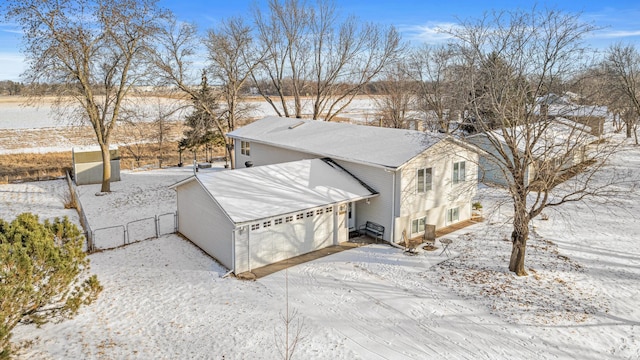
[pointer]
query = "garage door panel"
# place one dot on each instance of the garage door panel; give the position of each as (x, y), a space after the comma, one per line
(286, 240)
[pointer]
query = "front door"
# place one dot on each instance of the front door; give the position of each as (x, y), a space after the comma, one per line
(351, 216)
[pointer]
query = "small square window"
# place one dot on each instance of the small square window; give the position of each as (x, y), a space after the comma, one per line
(329, 209)
(299, 216)
(319, 212)
(309, 213)
(245, 148)
(277, 221)
(266, 223)
(288, 219)
(255, 226)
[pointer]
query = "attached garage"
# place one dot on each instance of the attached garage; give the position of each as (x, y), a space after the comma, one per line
(252, 217)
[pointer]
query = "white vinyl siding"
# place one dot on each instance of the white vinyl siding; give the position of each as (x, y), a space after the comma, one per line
(379, 208)
(202, 221)
(262, 154)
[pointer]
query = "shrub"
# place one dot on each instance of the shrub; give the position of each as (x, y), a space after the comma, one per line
(42, 273)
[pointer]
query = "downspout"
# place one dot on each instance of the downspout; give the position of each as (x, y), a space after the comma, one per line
(393, 209)
(233, 254)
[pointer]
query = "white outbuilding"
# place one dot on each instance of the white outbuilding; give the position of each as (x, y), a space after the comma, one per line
(87, 164)
(252, 217)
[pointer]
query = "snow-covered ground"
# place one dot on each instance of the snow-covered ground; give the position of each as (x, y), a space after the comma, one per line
(165, 299)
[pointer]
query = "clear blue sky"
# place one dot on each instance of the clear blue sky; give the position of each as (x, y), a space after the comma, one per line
(416, 19)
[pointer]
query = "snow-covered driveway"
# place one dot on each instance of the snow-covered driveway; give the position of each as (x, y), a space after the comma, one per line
(384, 305)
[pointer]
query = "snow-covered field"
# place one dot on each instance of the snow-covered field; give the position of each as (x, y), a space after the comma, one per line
(165, 299)
(23, 126)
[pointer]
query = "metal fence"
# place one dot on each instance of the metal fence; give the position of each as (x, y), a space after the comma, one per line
(134, 231)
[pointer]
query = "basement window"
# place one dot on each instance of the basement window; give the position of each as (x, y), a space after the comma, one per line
(418, 225)
(453, 215)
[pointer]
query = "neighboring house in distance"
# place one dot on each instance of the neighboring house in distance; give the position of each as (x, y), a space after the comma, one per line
(248, 218)
(421, 178)
(565, 142)
(563, 107)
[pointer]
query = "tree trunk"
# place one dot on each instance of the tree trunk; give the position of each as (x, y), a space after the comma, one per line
(106, 168)
(519, 238)
(231, 153)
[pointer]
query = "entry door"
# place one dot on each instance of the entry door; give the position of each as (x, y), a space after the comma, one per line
(351, 215)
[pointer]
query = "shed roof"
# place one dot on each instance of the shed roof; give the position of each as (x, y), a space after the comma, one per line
(256, 193)
(370, 145)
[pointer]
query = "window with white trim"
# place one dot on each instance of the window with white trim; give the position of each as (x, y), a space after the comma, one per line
(309, 213)
(459, 172)
(245, 148)
(277, 221)
(299, 216)
(266, 224)
(418, 225)
(319, 211)
(255, 226)
(424, 179)
(453, 215)
(288, 219)
(329, 209)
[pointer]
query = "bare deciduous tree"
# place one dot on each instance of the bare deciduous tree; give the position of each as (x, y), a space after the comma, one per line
(623, 66)
(435, 72)
(396, 105)
(512, 59)
(232, 59)
(96, 49)
(174, 59)
(309, 52)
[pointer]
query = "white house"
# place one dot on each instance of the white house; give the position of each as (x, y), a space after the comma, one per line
(421, 178)
(248, 218)
(564, 142)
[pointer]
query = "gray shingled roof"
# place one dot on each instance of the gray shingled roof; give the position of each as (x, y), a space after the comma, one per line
(384, 147)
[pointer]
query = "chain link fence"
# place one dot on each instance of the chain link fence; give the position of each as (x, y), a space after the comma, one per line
(134, 231)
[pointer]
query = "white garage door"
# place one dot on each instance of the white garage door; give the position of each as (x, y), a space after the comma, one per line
(278, 239)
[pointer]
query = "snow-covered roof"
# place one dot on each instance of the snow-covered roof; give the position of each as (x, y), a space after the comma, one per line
(259, 192)
(370, 145)
(554, 138)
